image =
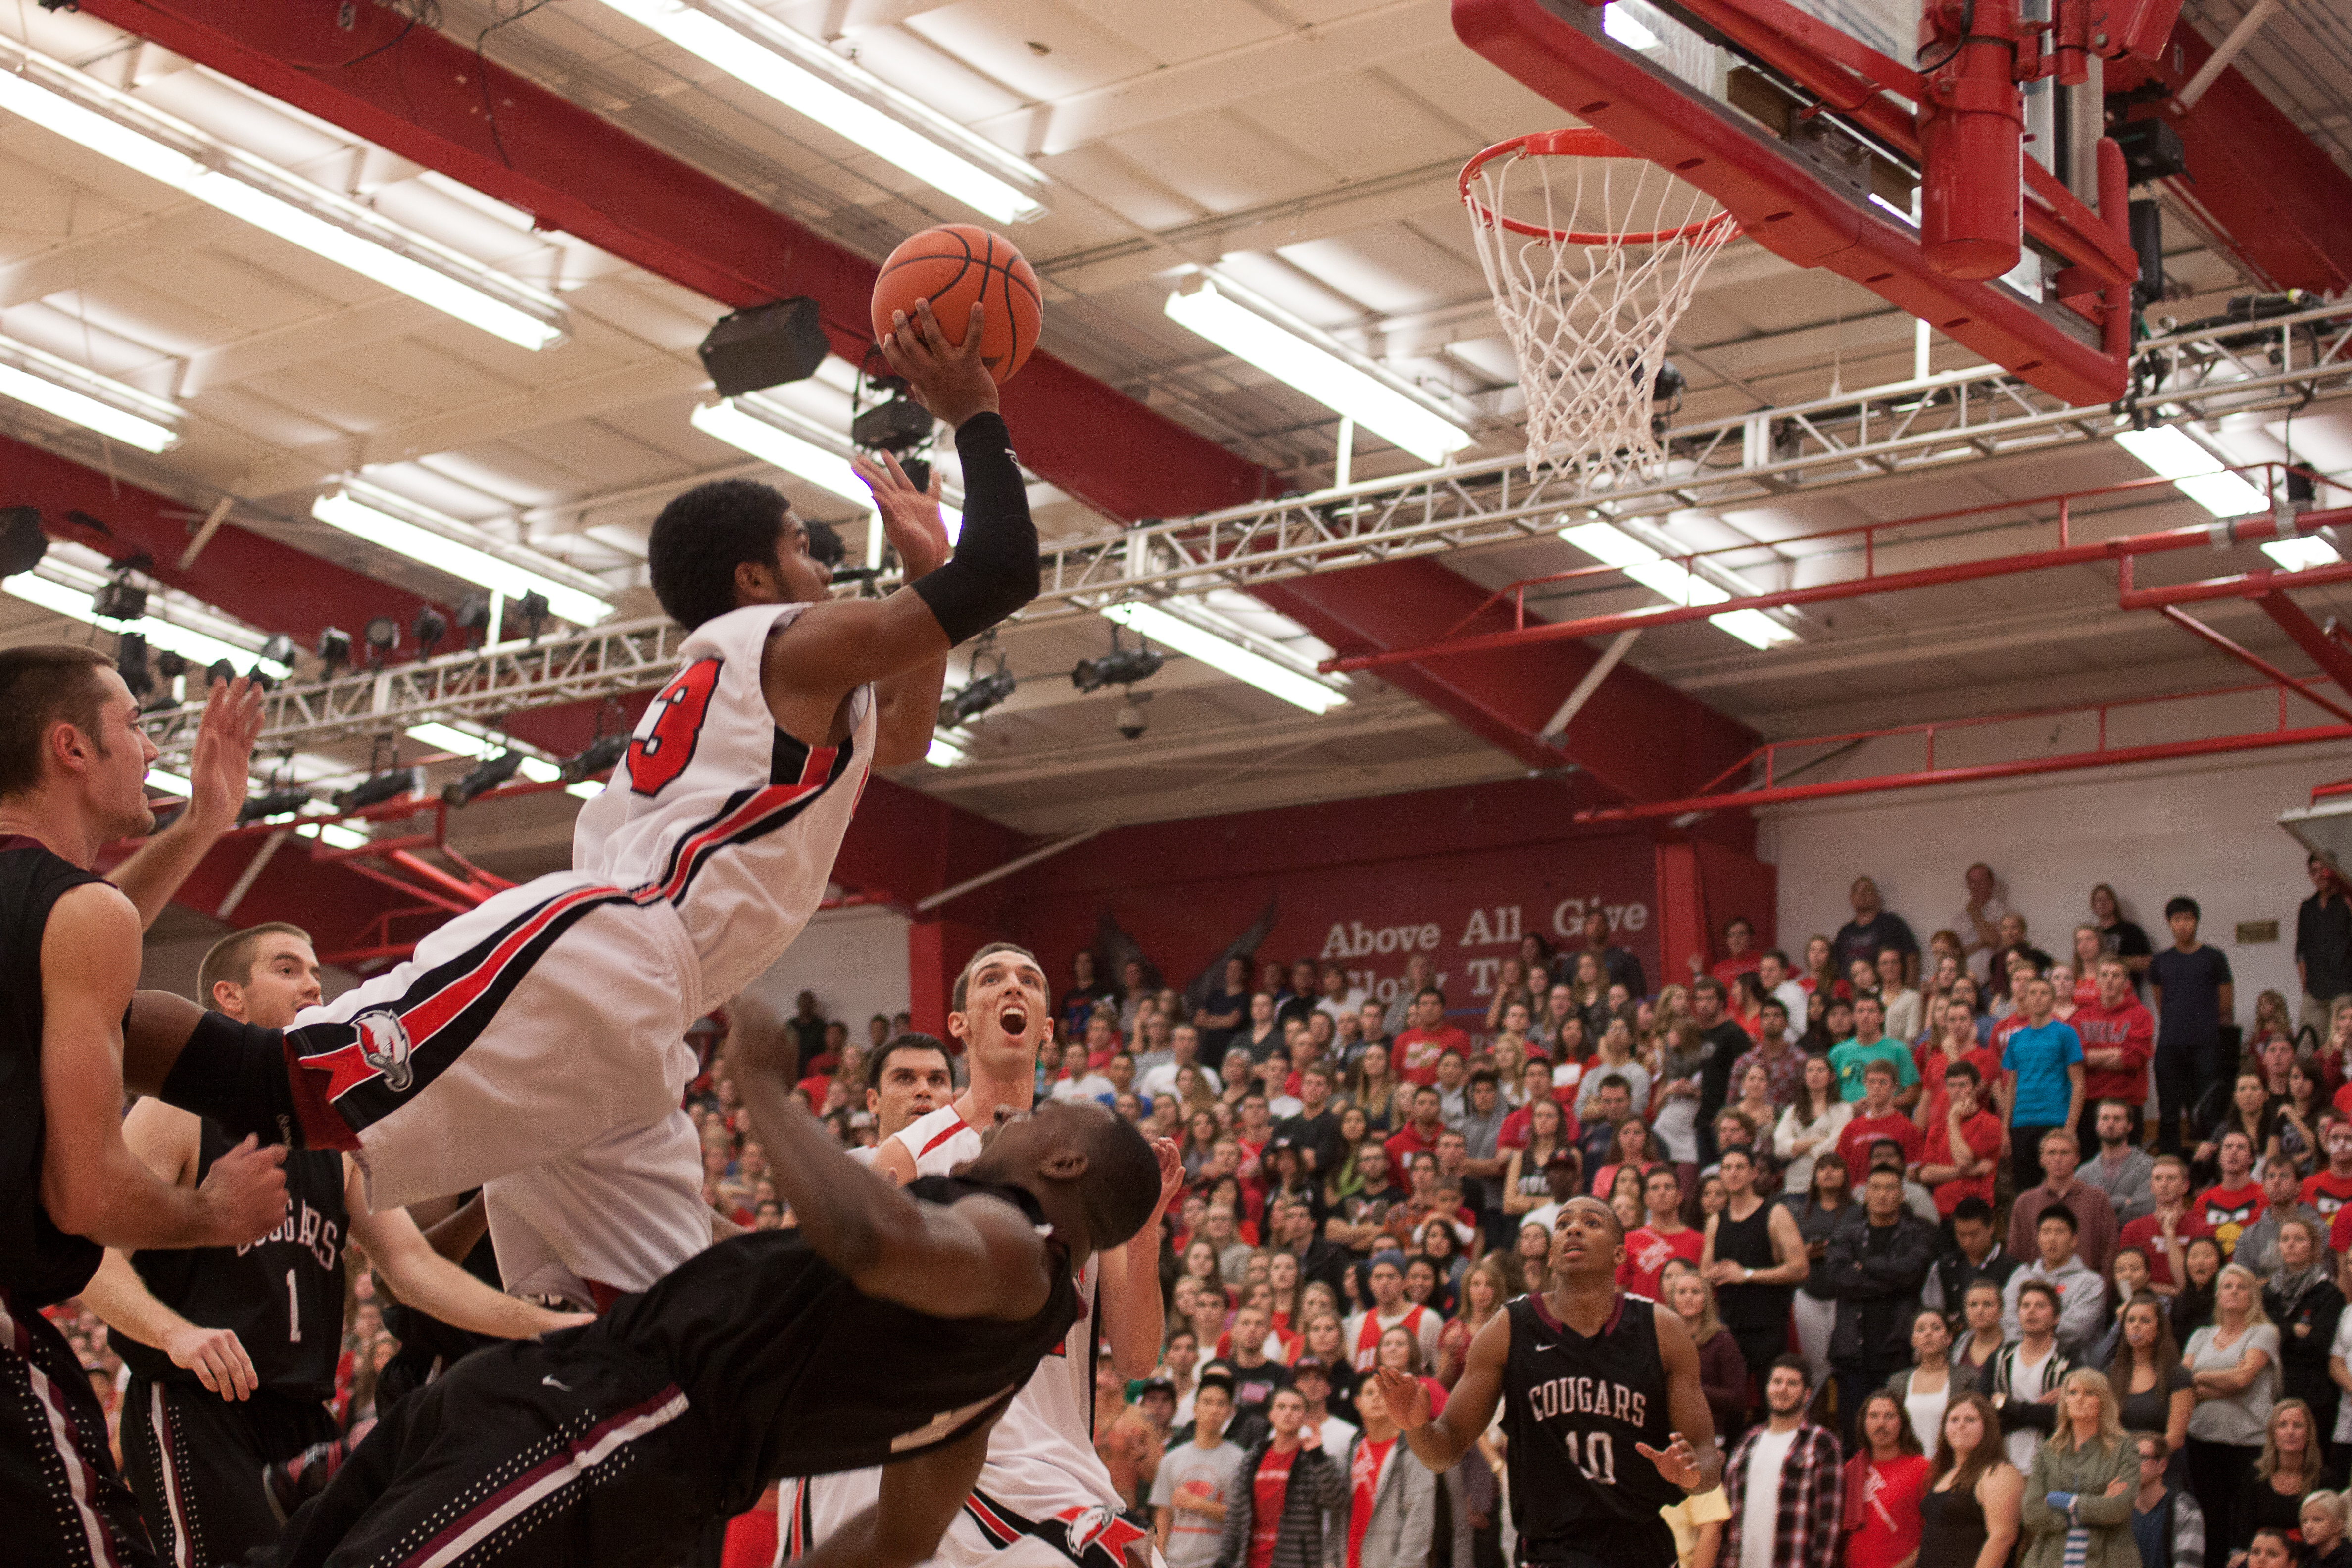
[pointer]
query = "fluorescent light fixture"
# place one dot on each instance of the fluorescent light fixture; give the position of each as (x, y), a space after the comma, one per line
(449, 738)
(783, 440)
(954, 519)
(1321, 375)
(119, 126)
(1218, 653)
(333, 834)
(586, 789)
(366, 512)
(2168, 450)
(164, 782)
(2302, 552)
(1619, 25)
(943, 753)
(96, 402)
(1613, 546)
(198, 647)
(846, 98)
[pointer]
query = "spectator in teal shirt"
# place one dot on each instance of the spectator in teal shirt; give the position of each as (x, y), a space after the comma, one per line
(1849, 1058)
(2045, 1061)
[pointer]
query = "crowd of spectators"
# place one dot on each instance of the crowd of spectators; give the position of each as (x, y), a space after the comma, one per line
(1989, 1249)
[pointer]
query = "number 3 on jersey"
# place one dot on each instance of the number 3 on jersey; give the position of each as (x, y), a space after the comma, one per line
(666, 738)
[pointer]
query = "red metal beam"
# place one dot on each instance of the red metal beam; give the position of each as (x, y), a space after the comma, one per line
(433, 100)
(2252, 585)
(2195, 627)
(1636, 739)
(2325, 651)
(2279, 204)
(2244, 531)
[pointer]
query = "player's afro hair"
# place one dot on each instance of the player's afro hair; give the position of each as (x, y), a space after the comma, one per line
(702, 536)
(1122, 1182)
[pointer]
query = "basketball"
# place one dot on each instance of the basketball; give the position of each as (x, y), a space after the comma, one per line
(952, 266)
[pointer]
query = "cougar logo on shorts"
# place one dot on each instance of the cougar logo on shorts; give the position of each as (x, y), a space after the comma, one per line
(383, 1045)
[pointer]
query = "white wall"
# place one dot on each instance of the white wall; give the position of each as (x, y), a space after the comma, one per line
(2205, 828)
(853, 959)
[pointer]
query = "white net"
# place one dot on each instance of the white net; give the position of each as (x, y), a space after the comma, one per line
(1588, 315)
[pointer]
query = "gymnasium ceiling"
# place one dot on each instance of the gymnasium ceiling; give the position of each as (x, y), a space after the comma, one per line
(1306, 148)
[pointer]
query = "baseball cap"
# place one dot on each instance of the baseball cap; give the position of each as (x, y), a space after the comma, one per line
(1562, 1156)
(1314, 1364)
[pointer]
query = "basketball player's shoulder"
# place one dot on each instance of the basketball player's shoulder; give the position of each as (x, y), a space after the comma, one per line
(933, 1134)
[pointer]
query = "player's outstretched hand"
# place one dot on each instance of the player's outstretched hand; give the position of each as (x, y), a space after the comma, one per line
(246, 1191)
(910, 517)
(1407, 1400)
(948, 379)
(1678, 1462)
(758, 1048)
(216, 1358)
(220, 764)
(1172, 1175)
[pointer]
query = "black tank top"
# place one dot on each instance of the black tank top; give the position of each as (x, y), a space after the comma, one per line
(283, 1295)
(1952, 1532)
(794, 1372)
(39, 1263)
(1749, 1241)
(1573, 1409)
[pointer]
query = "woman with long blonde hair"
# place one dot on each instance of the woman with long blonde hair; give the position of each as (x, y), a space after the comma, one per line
(2233, 1362)
(2078, 1500)
(1484, 1289)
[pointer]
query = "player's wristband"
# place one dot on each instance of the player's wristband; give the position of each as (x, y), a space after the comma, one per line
(994, 568)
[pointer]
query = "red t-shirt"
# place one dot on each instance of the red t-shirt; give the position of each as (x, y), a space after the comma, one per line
(1932, 1065)
(2339, 1230)
(1513, 1135)
(1728, 971)
(2147, 1232)
(2327, 1192)
(2228, 1210)
(1981, 1134)
(1647, 1253)
(2129, 1028)
(1882, 1508)
(1273, 1484)
(1853, 1143)
(1364, 1484)
(1417, 1051)
(1405, 1142)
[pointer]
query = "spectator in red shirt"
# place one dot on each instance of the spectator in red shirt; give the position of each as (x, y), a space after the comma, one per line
(2118, 1037)
(1535, 1083)
(2165, 1235)
(1959, 1153)
(1956, 1041)
(1876, 1117)
(2330, 1190)
(1740, 956)
(1421, 1132)
(1430, 1037)
(1663, 1239)
(2236, 1201)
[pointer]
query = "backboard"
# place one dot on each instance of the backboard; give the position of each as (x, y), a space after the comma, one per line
(1803, 120)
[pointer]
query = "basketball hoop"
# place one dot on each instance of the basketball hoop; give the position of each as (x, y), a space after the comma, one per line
(1588, 283)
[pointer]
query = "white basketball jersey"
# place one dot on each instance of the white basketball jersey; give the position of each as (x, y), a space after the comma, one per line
(715, 810)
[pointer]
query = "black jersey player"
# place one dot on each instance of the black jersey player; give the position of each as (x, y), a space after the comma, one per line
(1604, 1416)
(612, 1446)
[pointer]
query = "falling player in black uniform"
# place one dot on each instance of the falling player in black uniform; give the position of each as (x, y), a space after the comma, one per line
(612, 1446)
(233, 1350)
(1602, 1411)
(72, 769)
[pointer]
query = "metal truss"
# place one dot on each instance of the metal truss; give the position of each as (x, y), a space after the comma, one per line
(483, 686)
(1872, 433)
(1869, 434)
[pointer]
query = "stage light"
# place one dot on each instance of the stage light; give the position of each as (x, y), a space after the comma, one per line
(334, 651)
(381, 634)
(603, 754)
(486, 774)
(390, 785)
(1120, 667)
(428, 630)
(808, 79)
(465, 744)
(132, 132)
(277, 803)
(60, 598)
(22, 542)
(1318, 372)
(278, 650)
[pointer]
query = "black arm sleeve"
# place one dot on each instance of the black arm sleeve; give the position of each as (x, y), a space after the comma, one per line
(994, 570)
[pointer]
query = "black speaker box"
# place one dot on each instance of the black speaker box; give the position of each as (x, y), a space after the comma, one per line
(766, 345)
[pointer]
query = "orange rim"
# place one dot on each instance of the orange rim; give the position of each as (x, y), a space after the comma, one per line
(1582, 141)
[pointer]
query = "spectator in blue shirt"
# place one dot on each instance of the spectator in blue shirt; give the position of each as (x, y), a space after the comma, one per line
(2044, 1059)
(2192, 995)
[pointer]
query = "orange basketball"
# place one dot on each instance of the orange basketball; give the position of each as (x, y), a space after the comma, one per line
(953, 266)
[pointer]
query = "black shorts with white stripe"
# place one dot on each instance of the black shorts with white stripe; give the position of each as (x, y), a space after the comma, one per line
(195, 1461)
(63, 1503)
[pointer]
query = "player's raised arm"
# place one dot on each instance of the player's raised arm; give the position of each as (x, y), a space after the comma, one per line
(840, 645)
(979, 1260)
(1441, 1442)
(91, 1183)
(218, 772)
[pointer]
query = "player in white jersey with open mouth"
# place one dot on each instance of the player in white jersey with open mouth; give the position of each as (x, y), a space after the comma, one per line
(1044, 1498)
(535, 1046)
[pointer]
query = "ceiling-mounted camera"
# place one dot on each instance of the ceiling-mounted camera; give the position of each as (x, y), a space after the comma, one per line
(1130, 719)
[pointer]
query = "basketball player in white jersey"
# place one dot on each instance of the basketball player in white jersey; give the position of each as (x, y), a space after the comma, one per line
(1044, 1498)
(535, 1046)
(906, 1079)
